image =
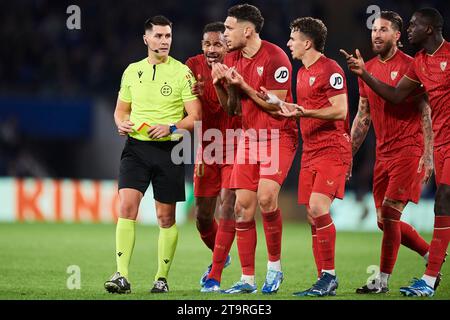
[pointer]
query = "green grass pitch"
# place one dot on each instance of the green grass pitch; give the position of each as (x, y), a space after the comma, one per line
(35, 257)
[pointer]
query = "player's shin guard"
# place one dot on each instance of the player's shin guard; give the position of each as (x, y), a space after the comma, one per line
(246, 243)
(125, 238)
(326, 239)
(439, 244)
(224, 240)
(411, 238)
(273, 229)
(391, 238)
(315, 250)
(209, 235)
(167, 243)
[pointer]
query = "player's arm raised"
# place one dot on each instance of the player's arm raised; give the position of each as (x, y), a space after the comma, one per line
(392, 94)
(361, 124)
(122, 117)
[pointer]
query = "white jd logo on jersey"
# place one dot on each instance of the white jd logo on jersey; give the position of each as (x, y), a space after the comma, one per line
(311, 80)
(443, 65)
(281, 75)
(394, 74)
(336, 81)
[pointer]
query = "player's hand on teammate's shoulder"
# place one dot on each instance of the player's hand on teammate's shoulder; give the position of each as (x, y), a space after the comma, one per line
(355, 64)
(125, 127)
(158, 131)
(199, 86)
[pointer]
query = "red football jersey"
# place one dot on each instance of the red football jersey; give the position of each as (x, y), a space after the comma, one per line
(325, 139)
(270, 68)
(213, 115)
(398, 128)
(433, 71)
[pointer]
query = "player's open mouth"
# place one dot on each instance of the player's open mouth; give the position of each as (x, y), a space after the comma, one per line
(378, 42)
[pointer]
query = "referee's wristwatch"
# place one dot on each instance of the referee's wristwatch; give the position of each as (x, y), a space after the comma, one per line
(172, 128)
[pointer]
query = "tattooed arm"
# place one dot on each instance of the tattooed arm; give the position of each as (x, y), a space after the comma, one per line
(361, 124)
(426, 161)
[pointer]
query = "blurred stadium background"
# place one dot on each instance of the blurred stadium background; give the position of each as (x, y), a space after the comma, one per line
(59, 151)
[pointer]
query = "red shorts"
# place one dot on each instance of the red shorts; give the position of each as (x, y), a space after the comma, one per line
(209, 179)
(442, 165)
(250, 165)
(323, 176)
(209, 175)
(397, 179)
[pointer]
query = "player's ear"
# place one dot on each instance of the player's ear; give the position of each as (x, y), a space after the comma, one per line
(145, 40)
(308, 44)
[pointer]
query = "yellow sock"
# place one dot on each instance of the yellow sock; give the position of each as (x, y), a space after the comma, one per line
(167, 243)
(125, 237)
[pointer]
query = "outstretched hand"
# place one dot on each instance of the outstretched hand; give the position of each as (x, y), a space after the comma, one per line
(356, 65)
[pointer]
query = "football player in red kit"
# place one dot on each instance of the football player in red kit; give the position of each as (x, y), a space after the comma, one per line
(323, 110)
(257, 175)
(212, 173)
(404, 148)
(430, 69)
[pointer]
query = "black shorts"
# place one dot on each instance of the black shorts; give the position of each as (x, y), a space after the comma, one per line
(145, 161)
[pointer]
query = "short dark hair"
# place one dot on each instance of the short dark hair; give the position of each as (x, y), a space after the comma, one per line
(214, 27)
(313, 28)
(247, 12)
(394, 18)
(433, 17)
(156, 21)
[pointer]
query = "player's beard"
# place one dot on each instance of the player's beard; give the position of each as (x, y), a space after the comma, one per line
(383, 50)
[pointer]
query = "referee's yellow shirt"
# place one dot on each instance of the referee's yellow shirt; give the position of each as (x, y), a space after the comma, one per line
(157, 93)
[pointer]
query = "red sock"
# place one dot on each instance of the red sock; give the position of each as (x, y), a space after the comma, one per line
(246, 243)
(439, 244)
(411, 238)
(326, 239)
(209, 235)
(273, 229)
(315, 250)
(224, 241)
(392, 236)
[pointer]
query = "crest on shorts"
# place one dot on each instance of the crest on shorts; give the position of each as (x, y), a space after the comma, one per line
(260, 70)
(311, 80)
(443, 65)
(394, 74)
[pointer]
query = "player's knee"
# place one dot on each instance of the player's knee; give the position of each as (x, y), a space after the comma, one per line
(166, 221)
(267, 202)
(227, 208)
(203, 220)
(128, 210)
(317, 209)
(442, 203)
(397, 205)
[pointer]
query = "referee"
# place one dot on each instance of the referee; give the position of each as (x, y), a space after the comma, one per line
(155, 94)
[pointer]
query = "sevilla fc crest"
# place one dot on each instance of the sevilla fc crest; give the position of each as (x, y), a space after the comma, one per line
(443, 65)
(311, 80)
(394, 74)
(260, 70)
